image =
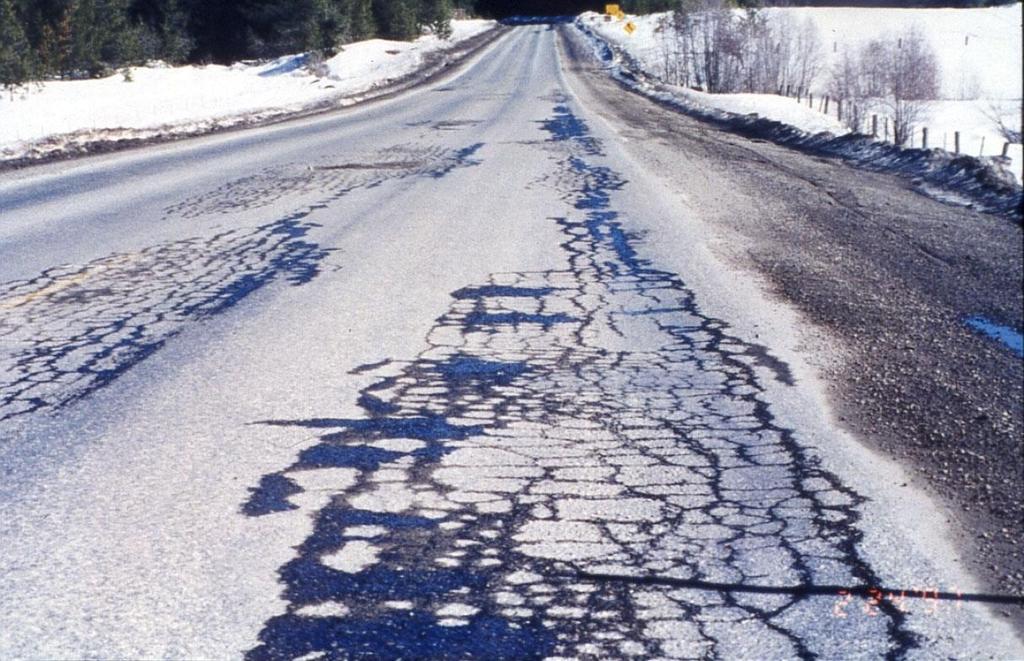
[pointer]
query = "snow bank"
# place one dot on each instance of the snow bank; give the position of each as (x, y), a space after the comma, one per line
(365, 64)
(982, 182)
(769, 106)
(160, 100)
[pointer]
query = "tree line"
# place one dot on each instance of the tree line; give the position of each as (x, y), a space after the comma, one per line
(42, 39)
(709, 45)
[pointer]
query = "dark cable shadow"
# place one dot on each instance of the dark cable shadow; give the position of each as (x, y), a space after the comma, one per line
(798, 590)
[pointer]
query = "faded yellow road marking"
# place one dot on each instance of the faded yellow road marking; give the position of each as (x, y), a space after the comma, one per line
(70, 280)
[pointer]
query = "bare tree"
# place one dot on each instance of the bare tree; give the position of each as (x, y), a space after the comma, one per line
(873, 61)
(848, 85)
(805, 55)
(677, 44)
(714, 43)
(709, 44)
(899, 73)
(913, 81)
(1006, 121)
(674, 48)
(783, 28)
(760, 55)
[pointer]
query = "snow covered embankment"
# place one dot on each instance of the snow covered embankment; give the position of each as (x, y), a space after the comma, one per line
(981, 182)
(157, 102)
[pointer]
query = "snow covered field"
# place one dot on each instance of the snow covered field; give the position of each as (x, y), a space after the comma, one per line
(979, 52)
(165, 100)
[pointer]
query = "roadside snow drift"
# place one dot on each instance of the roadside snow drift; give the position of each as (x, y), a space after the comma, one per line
(160, 100)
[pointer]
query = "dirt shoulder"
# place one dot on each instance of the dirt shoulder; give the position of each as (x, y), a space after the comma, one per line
(436, 66)
(888, 275)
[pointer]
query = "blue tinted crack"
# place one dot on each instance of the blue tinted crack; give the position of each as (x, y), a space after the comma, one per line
(118, 311)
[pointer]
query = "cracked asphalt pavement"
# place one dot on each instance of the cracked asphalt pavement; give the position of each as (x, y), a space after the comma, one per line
(450, 375)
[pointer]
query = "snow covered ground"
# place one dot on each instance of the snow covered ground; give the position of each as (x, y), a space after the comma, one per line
(161, 100)
(979, 53)
(770, 106)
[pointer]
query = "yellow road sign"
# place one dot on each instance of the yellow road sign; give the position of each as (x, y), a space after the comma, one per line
(612, 10)
(630, 28)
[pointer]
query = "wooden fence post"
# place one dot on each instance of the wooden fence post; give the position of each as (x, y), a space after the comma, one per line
(924, 138)
(1006, 149)
(810, 100)
(956, 142)
(826, 105)
(839, 108)
(981, 151)
(874, 126)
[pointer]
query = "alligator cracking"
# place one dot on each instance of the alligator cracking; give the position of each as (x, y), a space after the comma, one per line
(566, 434)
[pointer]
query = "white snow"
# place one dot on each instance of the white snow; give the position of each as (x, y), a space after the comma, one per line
(977, 48)
(770, 106)
(353, 557)
(162, 100)
(979, 52)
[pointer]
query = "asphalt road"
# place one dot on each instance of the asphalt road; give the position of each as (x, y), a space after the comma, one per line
(448, 375)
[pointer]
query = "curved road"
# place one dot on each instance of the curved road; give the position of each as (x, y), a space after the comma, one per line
(448, 375)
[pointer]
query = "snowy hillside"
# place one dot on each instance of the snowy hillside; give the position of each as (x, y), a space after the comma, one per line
(159, 100)
(979, 53)
(979, 49)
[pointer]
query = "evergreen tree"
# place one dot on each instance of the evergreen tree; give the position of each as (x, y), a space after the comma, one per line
(86, 41)
(59, 43)
(361, 23)
(120, 37)
(303, 25)
(438, 15)
(15, 51)
(176, 41)
(223, 29)
(396, 19)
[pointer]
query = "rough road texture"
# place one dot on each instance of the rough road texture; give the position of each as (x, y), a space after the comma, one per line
(451, 375)
(892, 275)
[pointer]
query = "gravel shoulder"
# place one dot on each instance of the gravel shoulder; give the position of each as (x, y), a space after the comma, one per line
(884, 277)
